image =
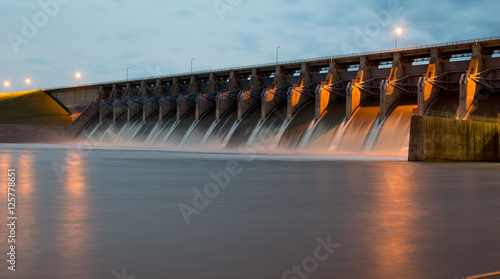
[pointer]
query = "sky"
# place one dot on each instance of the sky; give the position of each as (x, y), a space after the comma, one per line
(48, 41)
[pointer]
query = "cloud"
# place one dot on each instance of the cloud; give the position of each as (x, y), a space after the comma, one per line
(103, 38)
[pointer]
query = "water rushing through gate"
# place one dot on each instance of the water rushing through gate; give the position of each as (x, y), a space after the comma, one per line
(364, 133)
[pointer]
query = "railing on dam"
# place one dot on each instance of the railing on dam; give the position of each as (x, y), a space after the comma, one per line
(293, 61)
(451, 115)
(484, 276)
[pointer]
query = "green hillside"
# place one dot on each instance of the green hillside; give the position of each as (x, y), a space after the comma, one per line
(32, 108)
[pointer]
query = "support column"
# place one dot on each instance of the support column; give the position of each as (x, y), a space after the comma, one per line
(203, 104)
(255, 79)
(470, 89)
(416, 146)
(129, 91)
(245, 102)
(133, 109)
(148, 108)
(193, 86)
(119, 109)
(296, 98)
(427, 92)
(176, 88)
(165, 108)
(222, 104)
(245, 99)
(115, 94)
(104, 111)
(324, 97)
(212, 83)
(232, 84)
(158, 88)
(389, 94)
(183, 106)
(270, 99)
(355, 96)
(279, 77)
(143, 90)
(101, 94)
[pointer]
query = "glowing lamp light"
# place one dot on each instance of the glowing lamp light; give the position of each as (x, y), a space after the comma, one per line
(398, 31)
(77, 76)
(5, 85)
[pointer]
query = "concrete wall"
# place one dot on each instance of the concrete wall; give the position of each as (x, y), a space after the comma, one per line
(76, 95)
(10, 133)
(444, 139)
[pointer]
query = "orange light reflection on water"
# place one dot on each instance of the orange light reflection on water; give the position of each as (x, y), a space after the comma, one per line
(75, 209)
(393, 229)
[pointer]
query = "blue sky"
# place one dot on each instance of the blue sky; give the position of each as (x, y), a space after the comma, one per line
(49, 40)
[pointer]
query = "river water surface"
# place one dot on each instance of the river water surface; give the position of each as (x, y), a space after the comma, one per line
(115, 213)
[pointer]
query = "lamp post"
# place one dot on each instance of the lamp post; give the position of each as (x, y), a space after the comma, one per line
(77, 76)
(398, 31)
(277, 54)
(128, 68)
(5, 85)
(192, 59)
(27, 81)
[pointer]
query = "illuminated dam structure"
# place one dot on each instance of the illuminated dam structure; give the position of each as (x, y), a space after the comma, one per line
(347, 104)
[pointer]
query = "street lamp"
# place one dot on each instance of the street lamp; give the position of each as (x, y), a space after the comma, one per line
(398, 31)
(5, 85)
(77, 76)
(28, 82)
(277, 54)
(192, 59)
(128, 68)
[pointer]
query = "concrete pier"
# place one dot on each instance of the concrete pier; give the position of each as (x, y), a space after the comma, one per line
(470, 87)
(106, 109)
(204, 102)
(428, 90)
(246, 101)
(119, 108)
(166, 107)
(324, 91)
(225, 100)
(300, 93)
(134, 108)
(148, 108)
(184, 105)
(355, 93)
(390, 92)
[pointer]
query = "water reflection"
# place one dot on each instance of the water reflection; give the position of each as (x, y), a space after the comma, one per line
(394, 232)
(75, 210)
(26, 196)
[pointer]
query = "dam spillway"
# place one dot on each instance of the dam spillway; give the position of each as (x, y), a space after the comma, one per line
(348, 104)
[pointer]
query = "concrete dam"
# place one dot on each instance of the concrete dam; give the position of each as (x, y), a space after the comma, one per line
(348, 104)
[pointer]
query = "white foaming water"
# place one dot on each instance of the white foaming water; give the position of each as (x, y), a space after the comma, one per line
(331, 135)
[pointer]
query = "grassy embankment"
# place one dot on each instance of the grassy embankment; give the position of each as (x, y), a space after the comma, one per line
(32, 108)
